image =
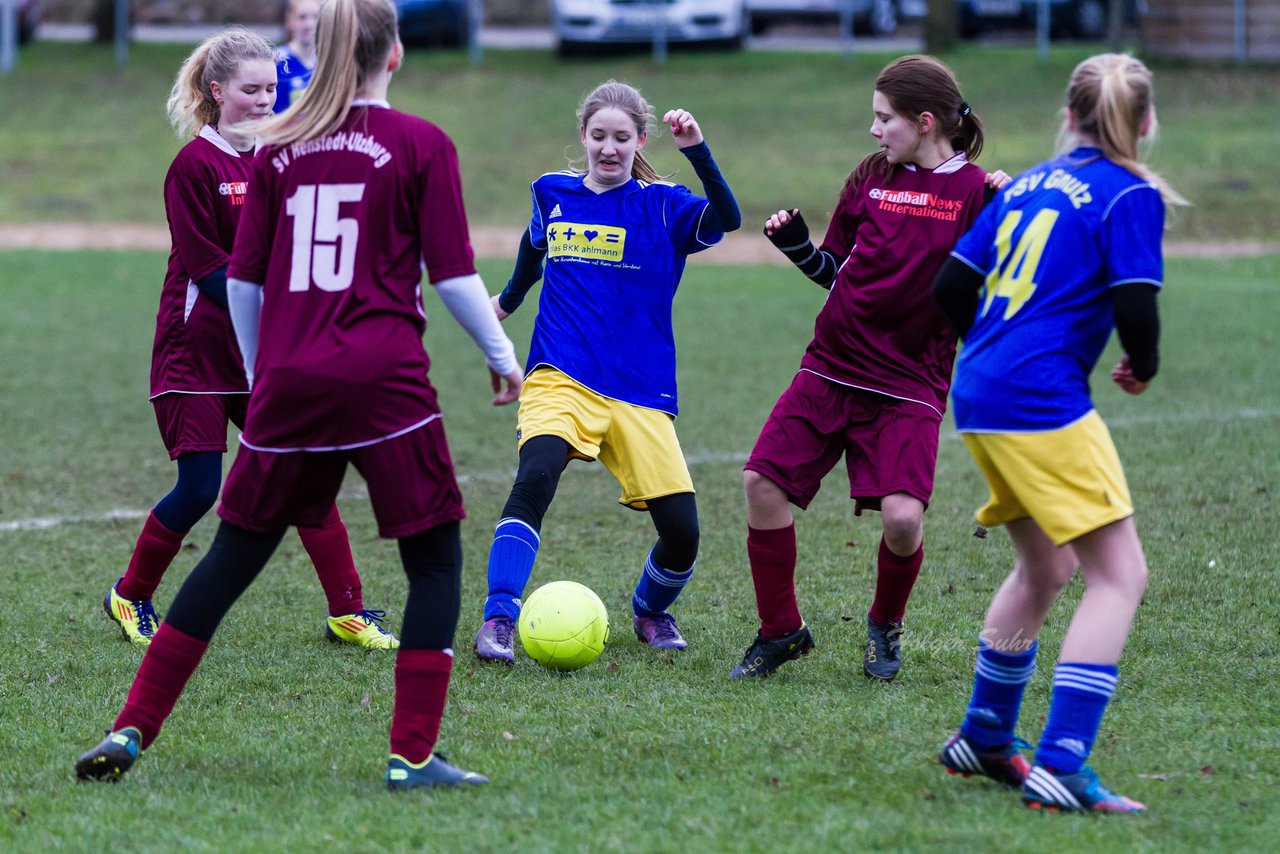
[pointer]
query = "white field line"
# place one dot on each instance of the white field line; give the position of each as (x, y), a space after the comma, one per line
(696, 458)
(502, 241)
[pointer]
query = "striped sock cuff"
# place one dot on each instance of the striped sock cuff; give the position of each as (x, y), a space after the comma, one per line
(666, 577)
(1097, 679)
(517, 529)
(1006, 668)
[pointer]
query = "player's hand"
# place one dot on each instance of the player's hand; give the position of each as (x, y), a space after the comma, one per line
(998, 179)
(501, 315)
(778, 220)
(684, 127)
(1122, 375)
(514, 382)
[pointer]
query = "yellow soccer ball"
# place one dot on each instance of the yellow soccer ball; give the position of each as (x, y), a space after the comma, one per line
(563, 625)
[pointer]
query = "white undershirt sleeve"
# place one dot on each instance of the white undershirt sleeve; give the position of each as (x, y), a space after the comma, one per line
(468, 301)
(244, 302)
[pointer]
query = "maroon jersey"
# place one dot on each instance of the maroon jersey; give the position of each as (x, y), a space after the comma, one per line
(337, 231)
(195, 348)
(880, 328)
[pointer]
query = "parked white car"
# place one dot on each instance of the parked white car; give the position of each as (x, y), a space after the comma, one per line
(580, 23)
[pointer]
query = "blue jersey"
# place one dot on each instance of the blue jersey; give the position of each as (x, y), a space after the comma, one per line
(1051, 245)
(292, 76)
(614, 261)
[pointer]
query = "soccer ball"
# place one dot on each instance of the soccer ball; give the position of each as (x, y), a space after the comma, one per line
(563, 625)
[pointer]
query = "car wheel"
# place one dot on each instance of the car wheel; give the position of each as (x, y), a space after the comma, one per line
(882, 20)
(1090, 20)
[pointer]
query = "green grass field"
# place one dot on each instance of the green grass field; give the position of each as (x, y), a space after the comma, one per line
(85, 141)
(280, 740)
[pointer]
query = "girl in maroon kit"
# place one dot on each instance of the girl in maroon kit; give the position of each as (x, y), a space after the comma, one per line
(197, 379)
(351, 200)
(873, 383)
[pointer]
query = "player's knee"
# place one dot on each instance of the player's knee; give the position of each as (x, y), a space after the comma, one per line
(190, 500)
(903, 536)
(1135, 579)
(676, 519)
(681, 539)
(761, 491)
(903, 519)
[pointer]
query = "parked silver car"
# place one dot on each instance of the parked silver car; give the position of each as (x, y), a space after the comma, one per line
(871, 17)
(581, 23)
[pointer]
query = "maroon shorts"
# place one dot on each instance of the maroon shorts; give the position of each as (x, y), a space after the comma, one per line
(197, 423)
(410, 478)
(889, 445)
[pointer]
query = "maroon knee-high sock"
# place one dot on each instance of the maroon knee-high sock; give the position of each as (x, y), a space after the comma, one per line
(157, 547)
(895, 576)
(772, 553)
(422, 684)
(168, 663)
(330, 552)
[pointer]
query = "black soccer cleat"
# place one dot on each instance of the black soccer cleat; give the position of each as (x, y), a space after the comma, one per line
(883, 657)
(1006, 765)
(766, 655)
(113, 756)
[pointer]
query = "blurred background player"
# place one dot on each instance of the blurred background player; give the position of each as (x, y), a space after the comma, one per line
(872, 385)
(325, 287)
(296, 59)
(1068, 251)
(602, 362)
(197, 378)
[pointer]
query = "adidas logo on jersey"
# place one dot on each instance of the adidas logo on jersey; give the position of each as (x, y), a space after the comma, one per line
(555, 212)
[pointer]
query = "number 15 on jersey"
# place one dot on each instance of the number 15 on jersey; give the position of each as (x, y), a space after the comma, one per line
(324, 242)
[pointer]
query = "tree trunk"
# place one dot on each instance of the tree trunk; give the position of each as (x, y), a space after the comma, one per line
(104, 21)
(941, 27)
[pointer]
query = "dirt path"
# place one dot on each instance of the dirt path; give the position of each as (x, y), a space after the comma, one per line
(495, 242)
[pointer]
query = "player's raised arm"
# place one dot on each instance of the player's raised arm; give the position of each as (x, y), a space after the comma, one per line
(722, 214)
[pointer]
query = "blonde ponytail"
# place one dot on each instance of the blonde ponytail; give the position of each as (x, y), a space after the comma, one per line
(1110, 97)
(353, 40)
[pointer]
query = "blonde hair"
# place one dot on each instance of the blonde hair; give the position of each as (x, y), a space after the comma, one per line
(353, 40)
(1110, 96)
(621, 96)
(191, 105)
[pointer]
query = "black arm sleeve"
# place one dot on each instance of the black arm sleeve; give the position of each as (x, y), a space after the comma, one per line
(793, 241)
(956, 289)
(214, 286)
(722, 213)
(1138, 326)
(526, 274)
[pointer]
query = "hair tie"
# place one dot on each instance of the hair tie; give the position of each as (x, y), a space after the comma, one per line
(964, 109)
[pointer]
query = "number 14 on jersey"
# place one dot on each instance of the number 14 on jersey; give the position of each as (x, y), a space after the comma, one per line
(1014, 276)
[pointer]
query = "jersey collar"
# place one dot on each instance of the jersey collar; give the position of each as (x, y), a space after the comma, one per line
(371, 102)
(946, 167)
(210, 134)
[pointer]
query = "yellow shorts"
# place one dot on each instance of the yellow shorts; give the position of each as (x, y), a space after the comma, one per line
(1069, 481)
(638, 446)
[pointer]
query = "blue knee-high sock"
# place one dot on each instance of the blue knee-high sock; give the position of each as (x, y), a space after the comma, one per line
(1080, 695)
(657, 588)
(998, 682)
(511, 557)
